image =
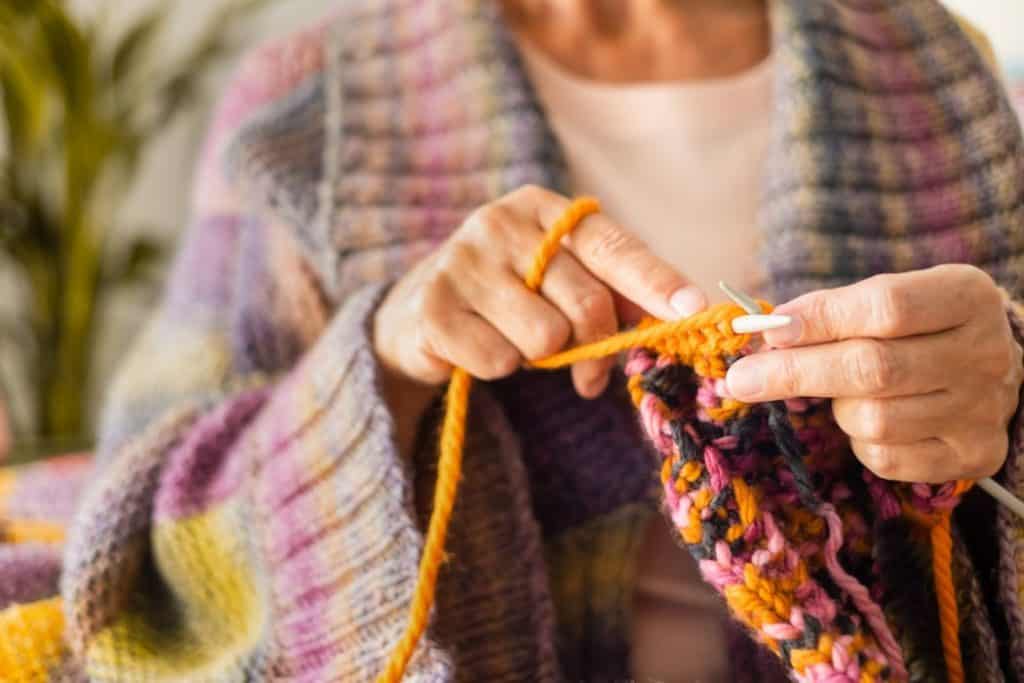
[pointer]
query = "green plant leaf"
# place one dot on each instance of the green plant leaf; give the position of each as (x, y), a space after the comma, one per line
(91, 109)
(71, 55)
(131, 48)
(24, 102)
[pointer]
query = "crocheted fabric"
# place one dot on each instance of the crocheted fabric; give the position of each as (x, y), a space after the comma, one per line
(775, 508)
(272, 535)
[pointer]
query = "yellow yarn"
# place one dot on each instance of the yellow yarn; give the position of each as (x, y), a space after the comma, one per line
(31, 641)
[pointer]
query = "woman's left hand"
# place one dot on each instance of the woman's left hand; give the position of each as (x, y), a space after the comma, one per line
(922, 367)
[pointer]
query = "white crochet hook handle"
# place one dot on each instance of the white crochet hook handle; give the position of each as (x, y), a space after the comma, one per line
(755, 321)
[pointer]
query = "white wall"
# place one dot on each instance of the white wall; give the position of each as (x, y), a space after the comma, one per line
(1003, 22)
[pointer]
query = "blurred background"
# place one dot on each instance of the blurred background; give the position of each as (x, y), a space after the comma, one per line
(102, 109)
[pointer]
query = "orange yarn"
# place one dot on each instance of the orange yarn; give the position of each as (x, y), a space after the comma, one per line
(700, 341)
(941, 539)
(945, 594)
(449, 466)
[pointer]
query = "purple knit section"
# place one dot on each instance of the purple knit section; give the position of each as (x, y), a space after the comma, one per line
(1009, 528)
(204, 470)
(199, 284)
(573, 448)
(30, 572)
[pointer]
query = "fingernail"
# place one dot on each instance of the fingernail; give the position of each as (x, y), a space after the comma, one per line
(687, 301)
(745, 381)
(784, 336)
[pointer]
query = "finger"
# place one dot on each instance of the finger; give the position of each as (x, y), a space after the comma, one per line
(930, 461)
(855, 368)
(895, 420)
(533, 325)
(463, 338)
(508, 233)
(620, 259)
(591, 311)
(883, 306)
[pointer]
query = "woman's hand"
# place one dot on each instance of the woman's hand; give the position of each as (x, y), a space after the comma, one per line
(922, 368)
(466, 305)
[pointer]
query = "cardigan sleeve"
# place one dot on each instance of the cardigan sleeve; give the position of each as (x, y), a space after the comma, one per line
(247, 510)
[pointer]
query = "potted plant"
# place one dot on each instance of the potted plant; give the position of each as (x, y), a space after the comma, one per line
(77, 108)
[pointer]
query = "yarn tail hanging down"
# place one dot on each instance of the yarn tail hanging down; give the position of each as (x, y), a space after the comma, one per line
(705, 342)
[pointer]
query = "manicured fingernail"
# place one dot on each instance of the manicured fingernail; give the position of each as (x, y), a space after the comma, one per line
(784, 336)
(687, 301)
(745, 381)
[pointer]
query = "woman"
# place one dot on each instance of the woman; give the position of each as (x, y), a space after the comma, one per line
(367, 205)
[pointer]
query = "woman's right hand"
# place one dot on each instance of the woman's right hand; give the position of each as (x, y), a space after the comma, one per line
(466, 305)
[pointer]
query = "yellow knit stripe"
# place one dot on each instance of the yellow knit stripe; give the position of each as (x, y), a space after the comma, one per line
(223, 619)
(31, 641)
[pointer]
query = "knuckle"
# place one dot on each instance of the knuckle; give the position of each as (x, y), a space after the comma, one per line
(593, 310)
(820, 310)
(989, 457)
(999, 359)
(890, 306)
(534, 196)
(612, 244)
(972, 275)
(433, 338)
(1008, 361)
(871, 367)
(788, 377)
(432, 298)
(457, 257)
(881, 460)
(875, 422)
(528, 191)
(502, 363)
(547, 338)
(491, 222)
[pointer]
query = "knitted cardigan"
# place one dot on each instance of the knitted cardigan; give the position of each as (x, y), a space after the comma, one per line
(247, 515)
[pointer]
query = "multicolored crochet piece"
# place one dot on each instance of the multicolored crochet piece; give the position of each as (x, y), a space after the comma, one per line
(761, 497)
(768, 498)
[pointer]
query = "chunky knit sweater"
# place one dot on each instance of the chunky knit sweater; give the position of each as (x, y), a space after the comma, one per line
(247, 515)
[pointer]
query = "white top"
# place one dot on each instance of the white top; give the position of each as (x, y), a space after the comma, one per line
(679, 164)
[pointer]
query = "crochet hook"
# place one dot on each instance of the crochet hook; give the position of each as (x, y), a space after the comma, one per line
(747, 303)
(754, 321)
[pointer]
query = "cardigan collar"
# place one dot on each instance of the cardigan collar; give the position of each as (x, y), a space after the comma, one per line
(893, 146)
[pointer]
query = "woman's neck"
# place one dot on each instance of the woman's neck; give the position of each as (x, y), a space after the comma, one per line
(645, 40)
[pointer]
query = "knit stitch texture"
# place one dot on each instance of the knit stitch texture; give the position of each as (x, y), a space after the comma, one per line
(247, 516)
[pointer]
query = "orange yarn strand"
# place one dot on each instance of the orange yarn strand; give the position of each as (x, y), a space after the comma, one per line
(449, 471)
(449, 465)
(945, 594)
